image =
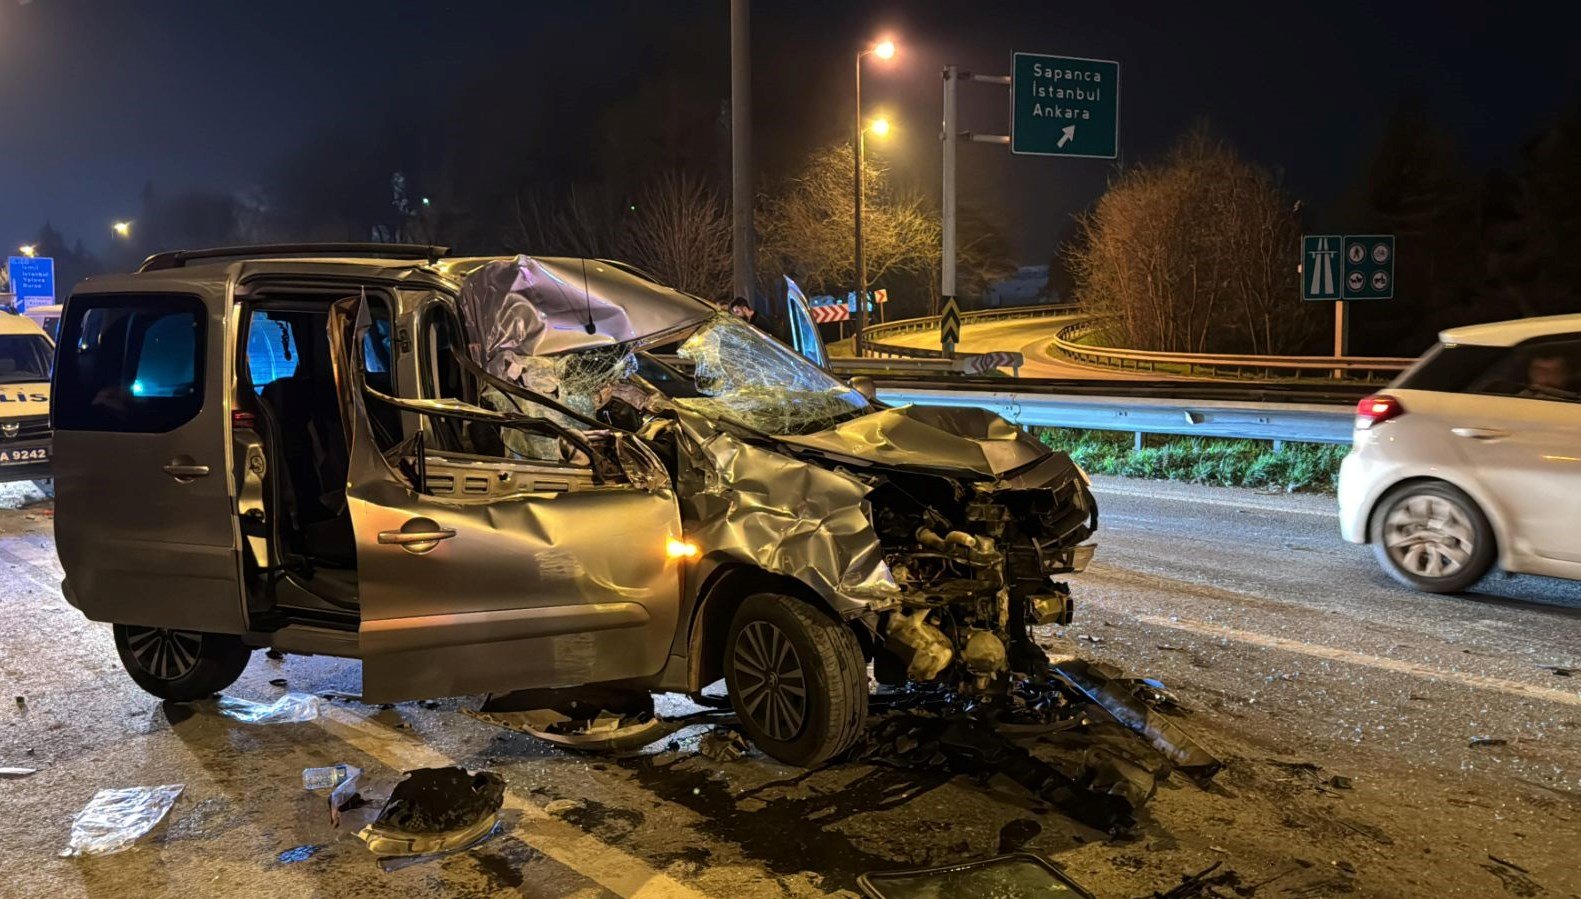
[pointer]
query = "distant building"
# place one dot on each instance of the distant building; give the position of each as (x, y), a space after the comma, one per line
(1029, 285)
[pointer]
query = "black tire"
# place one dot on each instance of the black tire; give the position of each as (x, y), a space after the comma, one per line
(181, 666)
(1432, 536)
(804, 648)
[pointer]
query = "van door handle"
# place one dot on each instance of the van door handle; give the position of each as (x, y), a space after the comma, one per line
(185, 471)
(417, 536)
(1480, 433)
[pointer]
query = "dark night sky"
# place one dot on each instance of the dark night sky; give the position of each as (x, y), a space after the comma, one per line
(96, 98)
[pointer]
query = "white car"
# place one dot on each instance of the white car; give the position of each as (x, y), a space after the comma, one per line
(1473, 456)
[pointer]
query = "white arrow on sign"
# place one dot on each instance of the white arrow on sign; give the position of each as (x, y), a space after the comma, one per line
(1067, 134)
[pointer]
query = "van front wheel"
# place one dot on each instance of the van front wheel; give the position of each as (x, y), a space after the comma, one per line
(797, 679)
(181, 666)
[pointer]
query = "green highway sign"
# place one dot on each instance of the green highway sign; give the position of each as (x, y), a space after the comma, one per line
(1321, 275)
(1064, 106)
(1347, 267)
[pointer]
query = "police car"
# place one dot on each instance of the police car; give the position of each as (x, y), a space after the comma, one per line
(26, 355)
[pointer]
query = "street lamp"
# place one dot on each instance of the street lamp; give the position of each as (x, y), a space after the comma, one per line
(28, 250)
(122, 229)
(883, 50)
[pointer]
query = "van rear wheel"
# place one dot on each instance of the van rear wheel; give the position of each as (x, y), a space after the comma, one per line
(181, 666)
(797, 679)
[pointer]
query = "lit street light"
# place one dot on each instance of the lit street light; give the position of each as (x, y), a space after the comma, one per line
(883, 50)
(28, 250)
(122, 229)
(879, 126)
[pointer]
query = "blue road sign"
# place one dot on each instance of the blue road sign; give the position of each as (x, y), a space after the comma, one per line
(32, 279)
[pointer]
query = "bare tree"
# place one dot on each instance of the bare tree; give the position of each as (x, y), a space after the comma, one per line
(678, 229)
(1196, 254)
(578, 220)
(806, 226)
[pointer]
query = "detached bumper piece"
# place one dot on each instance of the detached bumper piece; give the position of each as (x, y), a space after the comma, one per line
(436, 810)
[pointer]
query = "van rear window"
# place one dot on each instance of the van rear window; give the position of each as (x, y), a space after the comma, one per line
(129, 363)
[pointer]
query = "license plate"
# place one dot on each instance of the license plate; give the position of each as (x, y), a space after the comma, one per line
(24, 456)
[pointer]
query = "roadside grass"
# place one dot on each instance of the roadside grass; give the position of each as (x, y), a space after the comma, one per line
(1220, 462)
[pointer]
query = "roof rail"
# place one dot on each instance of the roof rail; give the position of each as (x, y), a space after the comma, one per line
(179, 258)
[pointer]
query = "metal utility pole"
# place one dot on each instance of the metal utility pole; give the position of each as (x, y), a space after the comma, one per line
(860, 339)
(947, 267)
(742, 231)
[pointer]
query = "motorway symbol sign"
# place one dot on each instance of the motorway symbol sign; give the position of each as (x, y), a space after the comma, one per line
(1320, 274)
(950, 325)
(1064, 106)
(32, 280)
(1347, 267)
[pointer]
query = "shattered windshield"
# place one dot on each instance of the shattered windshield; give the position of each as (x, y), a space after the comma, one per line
(747, 377)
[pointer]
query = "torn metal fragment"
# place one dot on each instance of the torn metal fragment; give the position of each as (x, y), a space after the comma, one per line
(1111, 695)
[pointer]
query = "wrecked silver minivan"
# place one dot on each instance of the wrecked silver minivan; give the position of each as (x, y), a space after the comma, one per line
(533, 474)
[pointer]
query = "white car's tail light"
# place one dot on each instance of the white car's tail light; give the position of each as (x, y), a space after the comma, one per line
(1377, 409)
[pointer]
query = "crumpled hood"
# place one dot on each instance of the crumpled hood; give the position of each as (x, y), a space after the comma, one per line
(929, 438)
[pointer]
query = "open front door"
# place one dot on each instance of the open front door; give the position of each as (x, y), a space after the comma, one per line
(482, 568)
(805, 338)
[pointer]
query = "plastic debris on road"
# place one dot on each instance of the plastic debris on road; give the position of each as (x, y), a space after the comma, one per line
(11, 773)
(340, 780)
(115, 819)
(292, 707)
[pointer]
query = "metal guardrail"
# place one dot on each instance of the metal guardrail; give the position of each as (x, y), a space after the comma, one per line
(1218, 364)
(875, 333)
(1234, 418)
(1194, 364)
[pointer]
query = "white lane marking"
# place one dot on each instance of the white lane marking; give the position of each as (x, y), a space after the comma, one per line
(1257, 505)
(1318, 650)
(605, 865)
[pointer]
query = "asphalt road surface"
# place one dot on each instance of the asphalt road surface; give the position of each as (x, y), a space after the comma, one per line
(1029, 337)
(1379, 743)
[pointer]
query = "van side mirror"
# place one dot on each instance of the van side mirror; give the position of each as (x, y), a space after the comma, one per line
(864, 385)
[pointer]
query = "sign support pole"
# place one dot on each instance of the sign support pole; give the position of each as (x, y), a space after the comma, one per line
(947, 263)
(1341, 333)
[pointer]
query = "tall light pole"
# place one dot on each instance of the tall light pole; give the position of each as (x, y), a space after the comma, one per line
(741, 148)
(883, 50)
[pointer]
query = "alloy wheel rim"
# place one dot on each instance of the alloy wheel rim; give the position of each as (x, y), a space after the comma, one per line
(770, 681)
(1429, 536)
(164, 653)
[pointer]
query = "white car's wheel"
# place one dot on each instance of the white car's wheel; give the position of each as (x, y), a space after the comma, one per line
(1431, 536)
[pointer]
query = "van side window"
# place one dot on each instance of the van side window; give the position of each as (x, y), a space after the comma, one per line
(130, 363)
(271, 350)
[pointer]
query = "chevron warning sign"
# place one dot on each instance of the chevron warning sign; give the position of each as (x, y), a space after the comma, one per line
(950, 325)
(831, 313)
